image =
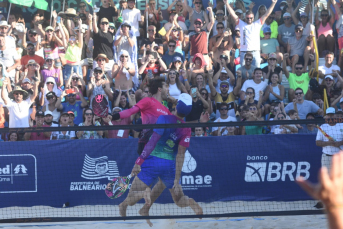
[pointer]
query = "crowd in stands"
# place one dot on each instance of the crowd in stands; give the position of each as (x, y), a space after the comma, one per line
(238, 62)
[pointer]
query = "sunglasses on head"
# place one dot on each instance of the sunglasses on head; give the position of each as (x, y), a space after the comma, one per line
(104, 23)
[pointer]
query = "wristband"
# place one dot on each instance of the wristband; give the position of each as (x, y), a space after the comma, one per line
(139, 161)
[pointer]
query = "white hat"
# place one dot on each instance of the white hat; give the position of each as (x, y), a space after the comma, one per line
(329, 76)
(330, 110)
(48, 113)
(224, 71)
(239, 11)
(286, 14)
(4, 23)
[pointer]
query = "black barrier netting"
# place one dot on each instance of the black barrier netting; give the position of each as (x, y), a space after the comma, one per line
(232, 175)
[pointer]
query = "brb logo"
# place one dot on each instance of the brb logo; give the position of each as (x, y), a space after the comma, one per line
(193, 182)
(18, 173)
(274, 171)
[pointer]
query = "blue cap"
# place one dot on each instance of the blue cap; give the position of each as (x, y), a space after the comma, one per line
(267, 30)
(177, 58)
(184, 104)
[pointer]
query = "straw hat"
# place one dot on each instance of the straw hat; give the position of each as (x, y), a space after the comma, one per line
(32, 61)
(101, 55)
(70, 12)
(16, 89)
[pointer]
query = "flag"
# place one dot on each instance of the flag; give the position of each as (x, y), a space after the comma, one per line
(27, 3)
(89, 2)
(41, 4)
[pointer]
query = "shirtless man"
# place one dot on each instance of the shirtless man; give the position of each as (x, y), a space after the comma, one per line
(122, 73)
(221, 44)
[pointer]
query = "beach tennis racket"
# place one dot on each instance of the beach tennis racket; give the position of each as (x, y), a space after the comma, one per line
(325, 134)
(117, 187)
(100, 106)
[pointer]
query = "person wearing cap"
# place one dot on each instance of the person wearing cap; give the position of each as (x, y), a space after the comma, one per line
(124, 40)
(162, 160)
(34, 136)
(150, 42)
(26, 85)
(75, 80)
(250, 42)
(299, 48)
(304, 106)
(18, 103)
(63, 135)
(304, 19)
(224, 96)
(73, 52)
(8, 57)
(199, 38)
(239, 13)
(331, 139)
(102, 41)
(176, 33)
(170, 55)
(272, 24)
(329, 68)
(10, 41)
(34, 38)
(272, 68)
(269, 45)
(133, 16)
(198, 13)
(31, 55)
(309, 128)
(125, 121)
(71, 119)
(224, 74)
(48, 119)
(285, 31)
(107, 10)
(112, 28)
(219, 18)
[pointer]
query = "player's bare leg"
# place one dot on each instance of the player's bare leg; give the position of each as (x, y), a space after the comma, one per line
(184, 201)
(155, 193)
(138, 191)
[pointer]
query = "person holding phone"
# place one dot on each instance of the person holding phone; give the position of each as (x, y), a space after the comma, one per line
(75, 80)
(199, 105)
(49, 86)
(150, 64)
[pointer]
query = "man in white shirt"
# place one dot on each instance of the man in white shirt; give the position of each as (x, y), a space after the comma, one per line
(250, 32)
(9, 57)
(331, 139)
(328, 67)
(257, 83)
(224, 117)
(18, 104)
(133, 16)
(9, 39)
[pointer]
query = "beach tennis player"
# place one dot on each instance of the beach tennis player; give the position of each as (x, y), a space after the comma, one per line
(162, 158)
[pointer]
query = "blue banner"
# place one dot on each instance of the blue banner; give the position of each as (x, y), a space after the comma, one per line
(251, 168)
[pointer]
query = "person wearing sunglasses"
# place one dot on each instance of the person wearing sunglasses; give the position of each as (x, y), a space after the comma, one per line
(51, 106)
(329, 68)
(50, 45)
(252, 28)
(51, 70)
(179, 10)
(9, 57)
(198, 12)
(224, 117)
(75, 80)
(297, 78)
(304, 19)
(224, 96)
(176, 33)
(171, 54)
(304, 106)
(326, 40)
(220, 44)
(272, 68)
(31, 55)
(256, 82)
(107, 10)
(272, 24)
(89, 120)
(247, 69)
(102, 41)
(33, 39)
(152, 43)
(49, 86)
(285, 31)
(219, 18)
(268, 46)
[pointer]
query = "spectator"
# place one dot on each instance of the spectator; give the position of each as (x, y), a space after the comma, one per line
(220, 18)
(275, 92)
(272, 25)
(52, 71)
(257, 83)
(204, 94)
(269, 46)
(326, 40)
(224, 75)
(34, 136)
(150, 64)
(330, 145)
(304, 19)
(98, 85)
(176, 18)
(152, 43)
(180, 9)
(308, 128)
(107, 10)
(72, 105)
(49, 86)
(328, 67)
(285, 31)
(224, 117)
(284, 129)
(252, 115)
(124, 101)
(124, 121)
(196, 67)
(31, 56)
(102, 60)
(73, 52)
(239, 13)
(199, 105)
(75, 80)
(249, 41)
(224, 96)
(83, 13)
(299, 48)
(272, 68)
(133, 16)
(9, 40)
(2, 117)
(63, 135)
(34, 38)
(170, 55)
(331, 93)
(224, 60)
(199, 132)
(154, 16)
(221, 44)
(71, 119)
(199, 38)
(3, 74)
(8, 57)
(50, 45)
(51, 97)
(200, 82)
(247, 69)
(262, 9)
(19, 107)
(89, 120)
(304, 106)
(175, 87)
(48, 119)
(177, 34)
(103, 41)
(13, 136)
(198, 13)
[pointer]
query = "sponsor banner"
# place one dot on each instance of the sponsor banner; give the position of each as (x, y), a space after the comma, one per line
(254, 168)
